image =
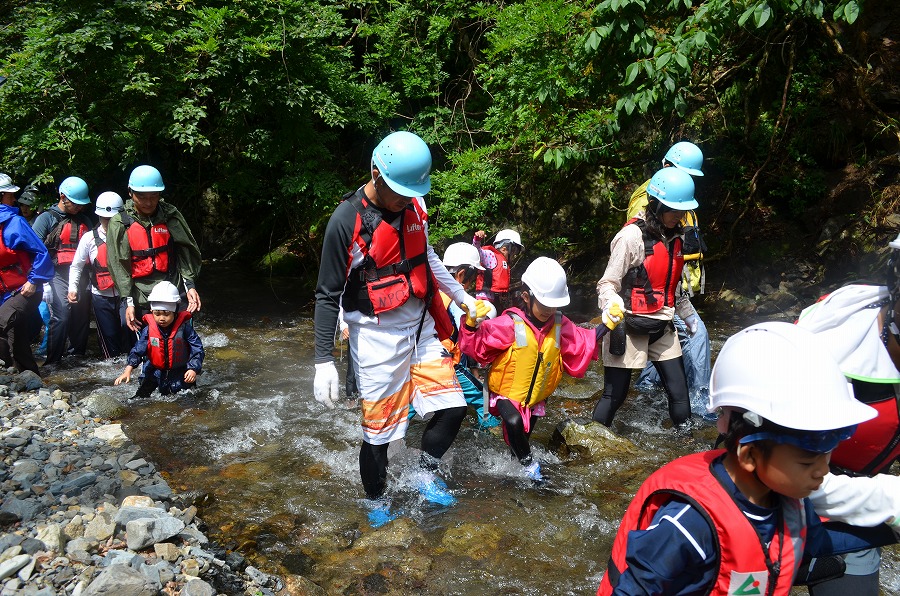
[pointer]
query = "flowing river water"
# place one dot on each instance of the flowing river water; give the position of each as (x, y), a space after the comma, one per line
(283, 479)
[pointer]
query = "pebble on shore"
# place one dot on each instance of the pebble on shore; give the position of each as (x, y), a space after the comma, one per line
(84, 514)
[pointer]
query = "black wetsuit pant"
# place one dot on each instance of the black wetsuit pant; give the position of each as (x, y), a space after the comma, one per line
(618, 380)
(514, 426)
(439, 434)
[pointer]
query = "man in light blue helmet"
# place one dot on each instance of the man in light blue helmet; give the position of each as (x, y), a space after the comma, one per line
(693, 335)
(642, 278)
(61, 227)
(150, 242)
(377, 263)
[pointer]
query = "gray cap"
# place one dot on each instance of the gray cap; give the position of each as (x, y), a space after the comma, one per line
(6, 184)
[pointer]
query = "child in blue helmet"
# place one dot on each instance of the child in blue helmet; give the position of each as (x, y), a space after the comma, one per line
(737, 521)
(642, 279)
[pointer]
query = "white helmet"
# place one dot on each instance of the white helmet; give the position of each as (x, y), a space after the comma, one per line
(462, 253)
(783, 374)
(547, 281)
(108, 204)
(508, 236)
(164, 296)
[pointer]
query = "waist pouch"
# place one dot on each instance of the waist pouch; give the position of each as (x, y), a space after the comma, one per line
(639, 325)
(388, 292)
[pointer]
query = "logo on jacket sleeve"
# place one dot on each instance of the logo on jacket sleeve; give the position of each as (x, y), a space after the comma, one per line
(748, 584)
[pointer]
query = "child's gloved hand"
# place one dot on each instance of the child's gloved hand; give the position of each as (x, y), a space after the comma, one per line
(482, 310)
(614, 312)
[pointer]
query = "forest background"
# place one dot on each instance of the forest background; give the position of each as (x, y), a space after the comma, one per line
(542, 115)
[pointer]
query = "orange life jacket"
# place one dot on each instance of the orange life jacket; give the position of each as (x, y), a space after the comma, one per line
(150, 246)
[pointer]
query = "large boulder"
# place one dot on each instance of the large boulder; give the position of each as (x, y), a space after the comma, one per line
(591, 440)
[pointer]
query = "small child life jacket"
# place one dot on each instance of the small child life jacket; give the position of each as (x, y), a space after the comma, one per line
(170, 349)
(496, 279)
(527, 372)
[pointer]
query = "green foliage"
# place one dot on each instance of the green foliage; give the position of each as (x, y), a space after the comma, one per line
(277, 105)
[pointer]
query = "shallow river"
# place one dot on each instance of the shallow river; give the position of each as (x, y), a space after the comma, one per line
(283, 472)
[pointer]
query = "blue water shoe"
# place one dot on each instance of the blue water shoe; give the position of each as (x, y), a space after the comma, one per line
(434, 490)
(379, 512)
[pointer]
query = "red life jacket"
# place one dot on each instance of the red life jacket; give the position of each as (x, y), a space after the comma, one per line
(741, 557)
(395, 264)
(14, 267)
(651, 286)
(62, 239)
(876, 443)
(102, 278)
(496, 279)
(150, 246)
(169, 351)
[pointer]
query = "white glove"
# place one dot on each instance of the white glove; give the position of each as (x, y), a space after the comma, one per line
(612, 315)
(692, 322)
(326, 384)
(492, 313)
(469, 301)
(48, 294)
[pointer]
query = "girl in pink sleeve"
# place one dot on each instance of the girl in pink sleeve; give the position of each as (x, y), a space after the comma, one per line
(529, 346)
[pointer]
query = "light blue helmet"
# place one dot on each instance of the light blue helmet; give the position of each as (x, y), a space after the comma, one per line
(146, 179)
(673, 188)
(685, 156)
(75, 189)
(404, 161)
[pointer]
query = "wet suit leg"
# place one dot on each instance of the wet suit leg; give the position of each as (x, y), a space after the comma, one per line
(373, 461)
(441, 431)
(514, 426)
(615, 388)
(671, 372)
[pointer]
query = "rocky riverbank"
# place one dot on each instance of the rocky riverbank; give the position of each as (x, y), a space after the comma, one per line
(83, 513)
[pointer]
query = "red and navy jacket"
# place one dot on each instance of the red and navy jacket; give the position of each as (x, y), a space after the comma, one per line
(652, 285)
(496, 279)
(741, 559)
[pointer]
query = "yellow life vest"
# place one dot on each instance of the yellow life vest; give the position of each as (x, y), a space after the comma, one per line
(528, 373)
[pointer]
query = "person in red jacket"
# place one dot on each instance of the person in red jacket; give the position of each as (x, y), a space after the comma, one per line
(738, 520)
(172, 349)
